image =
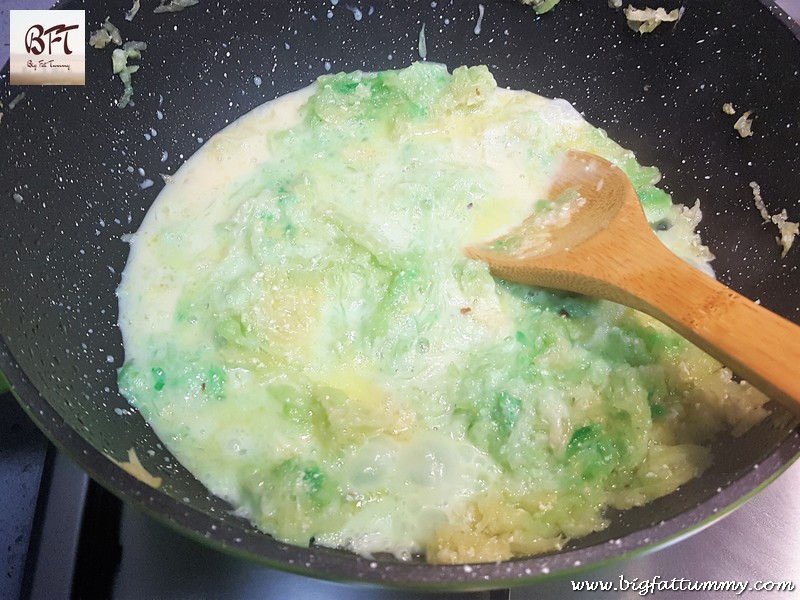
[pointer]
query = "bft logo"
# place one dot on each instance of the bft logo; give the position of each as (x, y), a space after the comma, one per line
(48, 47)
(58, 34)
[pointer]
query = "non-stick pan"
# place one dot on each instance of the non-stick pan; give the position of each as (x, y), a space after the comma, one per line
(73, 168)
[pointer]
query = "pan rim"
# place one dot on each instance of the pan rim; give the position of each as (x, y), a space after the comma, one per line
(335, 565)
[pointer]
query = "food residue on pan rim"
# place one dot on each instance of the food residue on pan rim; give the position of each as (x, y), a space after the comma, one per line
(134, 467)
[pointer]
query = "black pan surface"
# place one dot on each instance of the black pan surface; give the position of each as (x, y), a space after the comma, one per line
(72, 165)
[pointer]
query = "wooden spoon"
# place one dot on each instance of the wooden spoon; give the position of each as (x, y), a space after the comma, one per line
(607, 249)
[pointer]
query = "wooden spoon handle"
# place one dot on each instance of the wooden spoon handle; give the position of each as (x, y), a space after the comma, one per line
(756, 344)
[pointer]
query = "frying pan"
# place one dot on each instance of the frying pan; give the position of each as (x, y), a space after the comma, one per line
(73, 165)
